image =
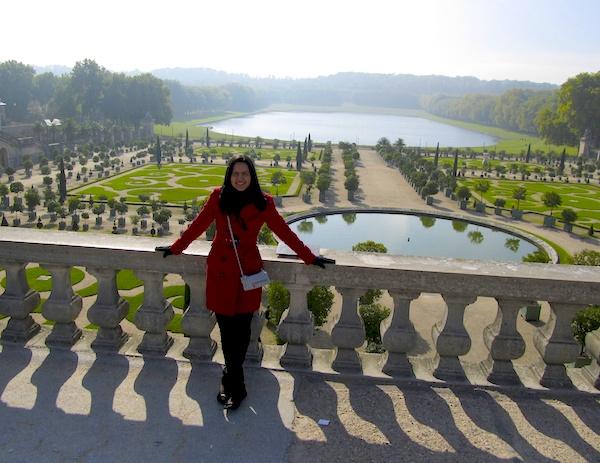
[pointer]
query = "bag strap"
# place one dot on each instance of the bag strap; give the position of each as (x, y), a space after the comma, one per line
(234, 245)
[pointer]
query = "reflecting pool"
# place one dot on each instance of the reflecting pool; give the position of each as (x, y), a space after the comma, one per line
(413, 235)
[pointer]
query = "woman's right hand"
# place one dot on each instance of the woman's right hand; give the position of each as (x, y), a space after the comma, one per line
(321, 261)
(166, 250)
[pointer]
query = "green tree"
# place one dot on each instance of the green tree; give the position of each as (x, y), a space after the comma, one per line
(373, 315)
(278, 178)
(569, 215)
(32, 199)
(587, 257)
(482, 186)
(265, 236)
(73, 204)
(463, 193)
(372, 295)
(16, 187)
(519, 193)
(278, 299)
(551, 199)
(16, 84)
(319, 301)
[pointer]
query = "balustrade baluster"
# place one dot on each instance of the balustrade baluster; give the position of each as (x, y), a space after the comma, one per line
(154, 315)
(17, 302)
(255, 350)
(348, 332)
(198, 322)
(504, 342)
(557, 346)
(451, 338)
(592, 347)
(296, 328)
(398, 335)
(108, 311)
(62, 307)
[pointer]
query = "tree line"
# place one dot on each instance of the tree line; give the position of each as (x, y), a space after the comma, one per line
(88, 93)
(560, 116)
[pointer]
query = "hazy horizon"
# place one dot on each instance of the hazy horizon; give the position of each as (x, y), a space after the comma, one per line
(537, 40)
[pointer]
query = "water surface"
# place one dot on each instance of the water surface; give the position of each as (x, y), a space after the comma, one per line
(360, 128)
(413, 236)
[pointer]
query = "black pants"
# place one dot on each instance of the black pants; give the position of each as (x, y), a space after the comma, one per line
(235, 337)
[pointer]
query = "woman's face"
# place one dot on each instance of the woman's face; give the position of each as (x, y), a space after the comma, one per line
(240, 177)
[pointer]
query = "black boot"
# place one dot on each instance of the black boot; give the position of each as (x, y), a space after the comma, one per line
(224, 395)
(238, 395)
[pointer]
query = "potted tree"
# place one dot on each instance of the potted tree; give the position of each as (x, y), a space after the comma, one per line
(569, 216)
(482, 186)
(499, 203)
(519, 193)
(463, 194)
(551, 199)
(428, 191)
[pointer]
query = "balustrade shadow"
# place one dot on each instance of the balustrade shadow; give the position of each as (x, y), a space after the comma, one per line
(373, 414)
(107, 420)
(488, 415)
(554, 424)
(13, 360)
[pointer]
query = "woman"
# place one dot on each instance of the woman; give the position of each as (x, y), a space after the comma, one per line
(242, 201)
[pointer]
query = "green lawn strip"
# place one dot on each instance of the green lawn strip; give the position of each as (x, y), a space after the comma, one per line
(169, 291)
(127, 280)
(563, 255)
(96, 192)
(88, 291)
(195, 130)
(509, 141)
(34, 273)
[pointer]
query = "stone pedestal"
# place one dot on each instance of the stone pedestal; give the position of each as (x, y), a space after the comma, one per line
(557, 346)
(62, 307)
(504, 342)
(451, 339)
(296, 328)
(154, 315)
(349, 332)
(198, 322)
(398, 335)
(108, 311)
(18, 301)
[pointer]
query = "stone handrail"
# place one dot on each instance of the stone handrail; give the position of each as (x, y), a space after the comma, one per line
(566, 289)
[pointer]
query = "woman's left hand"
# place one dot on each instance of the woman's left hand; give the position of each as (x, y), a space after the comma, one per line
(321, 261)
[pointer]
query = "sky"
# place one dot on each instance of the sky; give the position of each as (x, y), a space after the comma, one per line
(537, 40)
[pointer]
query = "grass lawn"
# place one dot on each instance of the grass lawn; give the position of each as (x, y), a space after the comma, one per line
(40, 279)
(581, 197)
(176, 183)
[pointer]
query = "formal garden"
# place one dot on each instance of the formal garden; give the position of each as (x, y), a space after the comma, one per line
(177, 183)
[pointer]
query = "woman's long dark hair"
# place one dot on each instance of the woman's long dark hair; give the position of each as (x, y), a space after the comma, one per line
(231, 200)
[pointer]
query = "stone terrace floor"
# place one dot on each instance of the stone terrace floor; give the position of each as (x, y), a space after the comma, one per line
(65, 406)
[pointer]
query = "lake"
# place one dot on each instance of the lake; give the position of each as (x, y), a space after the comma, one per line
(412, 235)
(360, 128)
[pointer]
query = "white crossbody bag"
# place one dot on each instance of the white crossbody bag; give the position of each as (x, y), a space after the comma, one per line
(249, 282)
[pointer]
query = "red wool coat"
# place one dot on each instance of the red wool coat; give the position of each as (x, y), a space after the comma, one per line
(224, 292)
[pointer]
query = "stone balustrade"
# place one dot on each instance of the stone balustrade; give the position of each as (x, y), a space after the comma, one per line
(460, 283)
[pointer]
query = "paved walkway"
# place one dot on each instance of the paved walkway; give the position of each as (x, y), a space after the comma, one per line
(62, 406)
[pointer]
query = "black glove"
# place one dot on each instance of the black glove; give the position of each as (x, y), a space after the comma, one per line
(321, 261)
(166, 250)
